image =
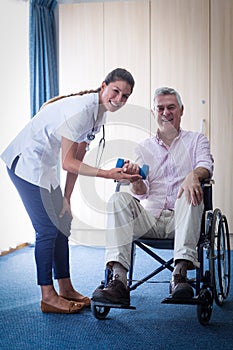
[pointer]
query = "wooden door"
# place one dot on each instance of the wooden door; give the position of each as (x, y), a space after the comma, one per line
(221, 90)
(180, 55)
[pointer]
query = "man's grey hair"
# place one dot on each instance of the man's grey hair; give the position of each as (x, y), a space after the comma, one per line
(168, 91)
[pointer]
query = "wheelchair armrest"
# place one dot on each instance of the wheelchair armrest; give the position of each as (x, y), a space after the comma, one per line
(121, 183)
(207, 182)
(206, 185)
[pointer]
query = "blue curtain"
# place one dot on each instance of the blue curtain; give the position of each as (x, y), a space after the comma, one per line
(42, 52)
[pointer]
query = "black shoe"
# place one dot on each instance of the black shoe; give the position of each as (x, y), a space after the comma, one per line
(114, 293)
(180, 288)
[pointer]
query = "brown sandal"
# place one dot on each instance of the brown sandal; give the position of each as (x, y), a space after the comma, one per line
(74, 307)
(85, 300)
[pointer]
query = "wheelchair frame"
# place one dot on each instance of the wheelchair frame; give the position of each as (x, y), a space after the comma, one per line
(212, 282)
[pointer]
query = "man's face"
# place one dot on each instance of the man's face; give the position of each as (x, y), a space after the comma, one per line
(168, 113)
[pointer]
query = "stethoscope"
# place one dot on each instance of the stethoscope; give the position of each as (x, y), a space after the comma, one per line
(91, 137)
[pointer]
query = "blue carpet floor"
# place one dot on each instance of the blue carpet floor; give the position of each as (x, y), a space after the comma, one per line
(151, 326)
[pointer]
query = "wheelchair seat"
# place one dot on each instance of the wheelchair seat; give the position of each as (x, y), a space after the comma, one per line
(158, 243)
(146, 244)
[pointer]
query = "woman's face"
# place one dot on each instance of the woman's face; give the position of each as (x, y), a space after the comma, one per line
(114, 95)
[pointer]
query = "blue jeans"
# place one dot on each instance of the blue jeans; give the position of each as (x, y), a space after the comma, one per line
(51, 246)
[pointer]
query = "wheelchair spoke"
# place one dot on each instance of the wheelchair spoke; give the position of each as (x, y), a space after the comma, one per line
(220, 257)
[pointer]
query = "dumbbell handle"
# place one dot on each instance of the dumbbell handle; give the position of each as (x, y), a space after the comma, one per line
(143, 171)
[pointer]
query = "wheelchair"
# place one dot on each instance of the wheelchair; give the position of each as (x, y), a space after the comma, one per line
(212, 279)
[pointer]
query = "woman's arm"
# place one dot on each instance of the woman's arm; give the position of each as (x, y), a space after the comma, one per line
(71, 177)
(75, 166)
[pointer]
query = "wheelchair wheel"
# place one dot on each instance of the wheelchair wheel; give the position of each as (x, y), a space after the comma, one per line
(224, 257)
(100, 312)
(219, 257)
(204, 309)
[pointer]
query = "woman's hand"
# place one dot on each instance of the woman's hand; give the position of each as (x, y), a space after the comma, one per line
(66, 209)
(119, 174)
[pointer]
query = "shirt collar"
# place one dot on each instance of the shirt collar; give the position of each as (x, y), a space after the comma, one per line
(96, 105)
(159, 141)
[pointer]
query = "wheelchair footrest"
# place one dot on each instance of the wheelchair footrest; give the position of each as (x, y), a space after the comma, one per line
(111, 305)
(190, 301)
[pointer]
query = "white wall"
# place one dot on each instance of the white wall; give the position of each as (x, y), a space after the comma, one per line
(15, 112)
(14, 85)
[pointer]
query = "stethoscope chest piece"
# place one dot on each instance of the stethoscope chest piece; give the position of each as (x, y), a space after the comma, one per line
(91, 136)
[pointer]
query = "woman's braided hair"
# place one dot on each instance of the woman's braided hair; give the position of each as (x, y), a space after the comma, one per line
(56, 98)
(117, 74)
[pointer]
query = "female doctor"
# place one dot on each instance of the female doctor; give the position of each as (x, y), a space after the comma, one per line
(68, 123)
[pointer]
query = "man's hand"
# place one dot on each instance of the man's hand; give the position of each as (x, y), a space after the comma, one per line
(138, 186)
(131, 168)
(192, 189)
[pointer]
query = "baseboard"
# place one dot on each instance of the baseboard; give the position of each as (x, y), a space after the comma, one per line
(231, 241)
(11, 250)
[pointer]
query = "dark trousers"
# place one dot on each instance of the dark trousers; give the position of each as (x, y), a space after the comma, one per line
(51, 246)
